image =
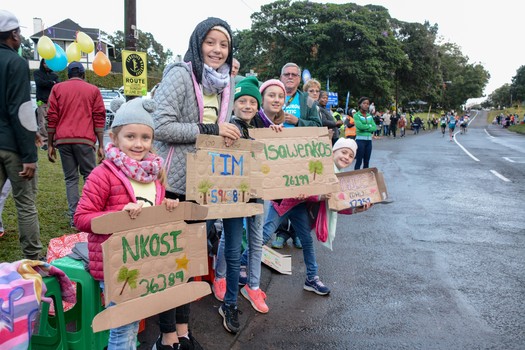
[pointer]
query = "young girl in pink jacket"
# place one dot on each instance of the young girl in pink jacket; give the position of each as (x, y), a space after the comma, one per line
(129, 179)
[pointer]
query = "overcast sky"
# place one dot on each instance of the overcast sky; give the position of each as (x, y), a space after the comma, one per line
(490, 35)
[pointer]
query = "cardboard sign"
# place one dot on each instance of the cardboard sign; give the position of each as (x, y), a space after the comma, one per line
(221, 178)
(152, 255)
(277, 261)
(358, 188)
(295, 161)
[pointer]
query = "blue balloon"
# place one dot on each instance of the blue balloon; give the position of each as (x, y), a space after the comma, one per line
(59, 62)
(306, 75)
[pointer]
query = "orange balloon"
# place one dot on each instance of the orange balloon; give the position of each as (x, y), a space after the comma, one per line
(101, 64)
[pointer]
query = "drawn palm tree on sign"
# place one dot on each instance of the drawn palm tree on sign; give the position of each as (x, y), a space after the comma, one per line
(128, 277)
(204, 187)
(315, 167)
(243, 187)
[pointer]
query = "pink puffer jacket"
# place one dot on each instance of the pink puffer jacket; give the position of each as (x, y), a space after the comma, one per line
(107, 189)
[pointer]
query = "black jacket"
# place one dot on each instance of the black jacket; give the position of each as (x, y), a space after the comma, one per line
(44, 80)
(329, 121)
(17, 118)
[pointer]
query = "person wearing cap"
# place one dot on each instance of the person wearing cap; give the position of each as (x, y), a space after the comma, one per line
(195, 97)
(127, 180)
(18, 152)
(365, 127)
(76, 119)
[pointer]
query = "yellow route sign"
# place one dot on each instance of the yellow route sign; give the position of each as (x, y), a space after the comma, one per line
(135, 76)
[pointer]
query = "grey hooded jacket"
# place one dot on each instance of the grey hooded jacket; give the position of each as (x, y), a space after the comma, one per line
(177, 120)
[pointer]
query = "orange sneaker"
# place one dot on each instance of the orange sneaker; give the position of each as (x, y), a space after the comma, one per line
(256, 297)
(219, 288)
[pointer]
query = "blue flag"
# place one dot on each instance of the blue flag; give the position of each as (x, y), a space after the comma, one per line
(347, 100)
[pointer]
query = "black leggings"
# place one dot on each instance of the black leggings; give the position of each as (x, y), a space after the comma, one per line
(179, 315)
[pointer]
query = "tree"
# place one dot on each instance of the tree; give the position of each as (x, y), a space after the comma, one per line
(418, 78)
(244, 187)
(203, 187)
(27, 48)
(518, 85)
(315, 167)
(501, 96)
(360, 48)
(128, 277)
(461, 79)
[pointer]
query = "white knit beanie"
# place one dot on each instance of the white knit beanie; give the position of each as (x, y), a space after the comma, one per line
(345, 143)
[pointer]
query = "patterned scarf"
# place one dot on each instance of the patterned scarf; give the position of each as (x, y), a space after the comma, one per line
(144, 171)
(214, 81)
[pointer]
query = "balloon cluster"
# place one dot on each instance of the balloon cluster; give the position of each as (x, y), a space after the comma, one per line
(57, 60)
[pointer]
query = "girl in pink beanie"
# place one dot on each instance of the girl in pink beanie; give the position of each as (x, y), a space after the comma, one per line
(273, 93)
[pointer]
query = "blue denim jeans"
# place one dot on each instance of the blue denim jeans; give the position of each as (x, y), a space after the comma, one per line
(251, 258)
(123, 337)
(298, 216)
(232, 230)
(364, 151)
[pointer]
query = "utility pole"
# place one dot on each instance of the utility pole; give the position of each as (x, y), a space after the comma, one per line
(130, 29)
(130, 25)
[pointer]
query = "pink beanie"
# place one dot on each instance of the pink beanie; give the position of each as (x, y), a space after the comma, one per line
(271, 82)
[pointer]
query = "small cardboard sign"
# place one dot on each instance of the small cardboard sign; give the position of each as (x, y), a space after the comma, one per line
(220, 177)
(149, 256)
(358, 188)
(293, 162)
(277, 261)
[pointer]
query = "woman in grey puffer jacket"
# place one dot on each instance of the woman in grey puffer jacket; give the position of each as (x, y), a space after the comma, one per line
(194, 97)
(190, 96)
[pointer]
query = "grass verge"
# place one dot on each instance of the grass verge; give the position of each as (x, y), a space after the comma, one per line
(52, 210)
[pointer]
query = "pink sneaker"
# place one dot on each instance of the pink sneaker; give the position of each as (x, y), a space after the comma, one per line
(256, 297)
(219, 288)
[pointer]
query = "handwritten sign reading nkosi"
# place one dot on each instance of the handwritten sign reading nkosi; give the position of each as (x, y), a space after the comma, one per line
(220, 177)
(148, 261)
(295, 161)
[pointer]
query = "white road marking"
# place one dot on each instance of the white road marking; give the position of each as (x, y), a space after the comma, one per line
(500, 176)
(489, 135)
(509, 160)
(463, 148)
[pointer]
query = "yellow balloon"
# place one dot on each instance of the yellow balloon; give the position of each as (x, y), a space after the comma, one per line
(85, 42)
(101, 64)
(73, 53)
(45, 47)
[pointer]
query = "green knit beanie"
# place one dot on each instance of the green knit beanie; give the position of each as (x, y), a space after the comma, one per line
(249, 86)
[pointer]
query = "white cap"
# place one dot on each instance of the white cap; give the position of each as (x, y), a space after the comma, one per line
(8, 21)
